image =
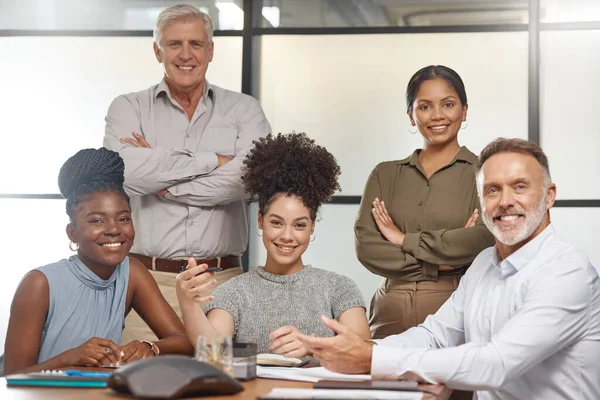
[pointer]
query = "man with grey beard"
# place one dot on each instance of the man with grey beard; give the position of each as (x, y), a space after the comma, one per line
(524, 322)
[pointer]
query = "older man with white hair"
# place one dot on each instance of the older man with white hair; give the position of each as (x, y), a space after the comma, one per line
(524, 322)
(183, 142)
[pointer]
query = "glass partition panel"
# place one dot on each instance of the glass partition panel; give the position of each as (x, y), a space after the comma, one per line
(368, 13)
(569, 10)
(58, 90)
(33, 235)
(581, 227)
(107, 14)
(570, 121)
(347, 91)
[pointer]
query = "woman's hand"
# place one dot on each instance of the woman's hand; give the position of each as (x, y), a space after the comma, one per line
(193, 282)
(94, 352)
(136, 350)
(470, 223)
(285, 341)
(472, 219)
(385, 224)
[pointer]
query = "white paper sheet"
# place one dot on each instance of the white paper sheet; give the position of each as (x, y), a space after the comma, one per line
(342, 394)
(306, 374)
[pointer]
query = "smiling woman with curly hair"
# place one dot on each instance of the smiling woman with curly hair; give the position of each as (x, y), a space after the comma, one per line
(291, 176)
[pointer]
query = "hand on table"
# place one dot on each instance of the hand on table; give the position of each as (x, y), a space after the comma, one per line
(346, 352)
(136, 350)
(94, 352)
(285, 341)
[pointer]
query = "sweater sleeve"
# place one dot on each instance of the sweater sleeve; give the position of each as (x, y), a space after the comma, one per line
(344, 295)
(226, 298)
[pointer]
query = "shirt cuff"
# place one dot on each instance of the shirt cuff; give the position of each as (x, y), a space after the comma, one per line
(411, 243)
(430, 271)
(207, 162)
(175, 191)
(384, 363)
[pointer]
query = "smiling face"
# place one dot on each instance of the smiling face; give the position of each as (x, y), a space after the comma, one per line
(185, 53)
(437, 112)
(516, 197)
(287, 227)
(102, 227)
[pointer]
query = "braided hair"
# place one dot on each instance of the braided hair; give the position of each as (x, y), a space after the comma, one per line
(291, 165)
(91, 171)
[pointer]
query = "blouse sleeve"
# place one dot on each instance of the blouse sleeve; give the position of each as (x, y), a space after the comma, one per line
(454, 247)
(423, 252)
(375, 252)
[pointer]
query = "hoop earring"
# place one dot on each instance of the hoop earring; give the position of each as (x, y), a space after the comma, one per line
(71, 243)
(466, 124)
(312, 237)
(257, 232)
(409, 126)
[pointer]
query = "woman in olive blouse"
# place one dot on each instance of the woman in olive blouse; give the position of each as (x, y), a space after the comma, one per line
(418, 224)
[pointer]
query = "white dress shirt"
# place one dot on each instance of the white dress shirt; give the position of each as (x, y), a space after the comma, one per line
(204, 212)
(527, 327)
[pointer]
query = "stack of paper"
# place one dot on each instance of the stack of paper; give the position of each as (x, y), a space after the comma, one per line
(306, 374)
(342, 394)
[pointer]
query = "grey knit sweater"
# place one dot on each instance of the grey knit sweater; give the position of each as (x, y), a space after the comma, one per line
(261, 302)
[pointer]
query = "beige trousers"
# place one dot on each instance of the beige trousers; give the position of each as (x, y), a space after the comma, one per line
(136, 328)
(400, 305)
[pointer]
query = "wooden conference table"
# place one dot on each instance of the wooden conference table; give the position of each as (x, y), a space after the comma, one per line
(253, 389)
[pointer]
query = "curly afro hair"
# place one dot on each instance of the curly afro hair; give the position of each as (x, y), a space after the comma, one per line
(91, 171)
(291, 165)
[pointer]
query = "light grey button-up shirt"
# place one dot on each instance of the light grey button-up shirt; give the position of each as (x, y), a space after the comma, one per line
(526, 327)
(204, 211)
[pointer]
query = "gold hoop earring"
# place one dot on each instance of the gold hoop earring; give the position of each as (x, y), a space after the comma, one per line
(312, 237)
(466, 124)
(71, 243)
(411, 125)
(257, 232)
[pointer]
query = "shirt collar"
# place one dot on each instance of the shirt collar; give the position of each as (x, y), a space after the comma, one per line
(522, 257)
(163, 88)
(463, 155)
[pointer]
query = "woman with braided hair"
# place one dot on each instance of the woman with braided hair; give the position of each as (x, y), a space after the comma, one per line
(291, 176)
(72, 312)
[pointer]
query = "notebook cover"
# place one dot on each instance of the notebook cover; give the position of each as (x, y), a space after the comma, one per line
(83, 379)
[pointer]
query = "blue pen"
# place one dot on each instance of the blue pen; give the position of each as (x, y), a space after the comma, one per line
(88, 374)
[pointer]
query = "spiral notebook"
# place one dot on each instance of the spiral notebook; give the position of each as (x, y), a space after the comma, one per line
(68, 378)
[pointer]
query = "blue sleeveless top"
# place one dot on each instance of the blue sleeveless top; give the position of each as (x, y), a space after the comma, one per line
(82, 306)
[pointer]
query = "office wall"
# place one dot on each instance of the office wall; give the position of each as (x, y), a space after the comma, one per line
(56, 91)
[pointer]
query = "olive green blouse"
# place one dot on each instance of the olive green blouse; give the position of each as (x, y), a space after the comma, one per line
(431, 212)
